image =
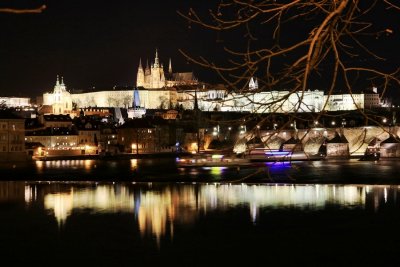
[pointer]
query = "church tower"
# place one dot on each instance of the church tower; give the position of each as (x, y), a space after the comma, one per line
(157, 74)
(62, 102)
(140, 75)
(253, 84)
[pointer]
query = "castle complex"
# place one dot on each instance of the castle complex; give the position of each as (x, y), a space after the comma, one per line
(157, 89)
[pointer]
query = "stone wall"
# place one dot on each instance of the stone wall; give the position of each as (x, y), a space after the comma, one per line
(312, 139)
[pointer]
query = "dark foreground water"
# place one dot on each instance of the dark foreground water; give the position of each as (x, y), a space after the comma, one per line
(150, 213)
(153, 224)
(165, 170)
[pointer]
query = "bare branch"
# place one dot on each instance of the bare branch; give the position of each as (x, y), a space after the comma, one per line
(23, 11)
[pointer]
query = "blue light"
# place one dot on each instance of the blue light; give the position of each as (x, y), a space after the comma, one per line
(277, 153)
(279, 164)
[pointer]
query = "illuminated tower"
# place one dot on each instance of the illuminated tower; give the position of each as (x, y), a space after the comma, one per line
(140, 75)
(62, 102)
(157, 74)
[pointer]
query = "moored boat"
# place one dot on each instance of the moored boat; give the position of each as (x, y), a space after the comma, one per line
(279, 155)
(213, 160)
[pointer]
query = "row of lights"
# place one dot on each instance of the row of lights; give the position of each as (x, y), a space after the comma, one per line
(243, 127)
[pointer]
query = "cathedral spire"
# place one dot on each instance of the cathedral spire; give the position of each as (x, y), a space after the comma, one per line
(140, 64)
(170, 66)
(58, 81)
(156, 62)
(62, 80)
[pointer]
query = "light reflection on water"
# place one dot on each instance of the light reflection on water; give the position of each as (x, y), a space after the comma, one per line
(158, 207)
(87, 164)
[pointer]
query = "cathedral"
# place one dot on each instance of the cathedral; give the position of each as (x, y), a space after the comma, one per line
(154, 77)
(151, 77)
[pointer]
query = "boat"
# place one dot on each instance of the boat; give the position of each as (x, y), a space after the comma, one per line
(268, 155)
(213, 160)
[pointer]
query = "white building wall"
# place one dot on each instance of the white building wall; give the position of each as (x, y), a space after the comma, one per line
(15, 101)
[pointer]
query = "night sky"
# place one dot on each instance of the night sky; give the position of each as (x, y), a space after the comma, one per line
(98, 43)
(92, 43)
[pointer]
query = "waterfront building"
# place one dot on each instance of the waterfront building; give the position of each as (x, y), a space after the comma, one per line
(108, 140)
(88, 136)
(12, 137)
(58, 138)
(137, 136)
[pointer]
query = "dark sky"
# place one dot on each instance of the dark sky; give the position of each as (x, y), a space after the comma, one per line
(98, 44)
(91, 43)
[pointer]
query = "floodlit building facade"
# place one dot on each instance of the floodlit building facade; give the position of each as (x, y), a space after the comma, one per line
(13, 102)
(157, 89)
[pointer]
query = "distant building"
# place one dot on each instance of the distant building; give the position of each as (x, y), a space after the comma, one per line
(155, 77)
(253, 84)
(136, 111)
(365, 100)
(55, 121)
(60, 99)
(13, 102)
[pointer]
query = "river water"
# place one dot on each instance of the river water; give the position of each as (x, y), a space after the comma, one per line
(131, 213)
(165, 170)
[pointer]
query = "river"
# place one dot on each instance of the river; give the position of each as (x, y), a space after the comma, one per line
(137, 213)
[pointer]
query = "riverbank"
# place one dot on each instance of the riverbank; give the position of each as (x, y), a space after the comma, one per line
(113, 157)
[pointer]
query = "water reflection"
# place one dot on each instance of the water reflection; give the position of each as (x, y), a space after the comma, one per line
(60, 164)
(157, 207)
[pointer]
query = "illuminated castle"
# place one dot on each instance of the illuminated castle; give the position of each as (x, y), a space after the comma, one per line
(157, 89)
